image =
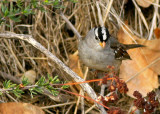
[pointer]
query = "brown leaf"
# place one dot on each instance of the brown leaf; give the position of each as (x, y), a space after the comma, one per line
(144, 3)
(157, 33)
(148, 79)
(19, 108)
(74, 64)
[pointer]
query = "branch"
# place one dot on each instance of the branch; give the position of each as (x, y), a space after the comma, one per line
(71, 26)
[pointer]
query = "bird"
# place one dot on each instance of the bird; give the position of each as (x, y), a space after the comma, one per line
(99, 49)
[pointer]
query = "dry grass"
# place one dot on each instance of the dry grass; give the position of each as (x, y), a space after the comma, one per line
(49, 29)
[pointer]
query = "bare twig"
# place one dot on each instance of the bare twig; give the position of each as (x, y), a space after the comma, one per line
(153, 24)
(107, 10)
(99, 14)
(90, 109)
(80, 93)
(71, 26)
(7, 76)
(141, 15)
(58, 105)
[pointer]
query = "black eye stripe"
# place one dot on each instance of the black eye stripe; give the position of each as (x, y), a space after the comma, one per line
(96, 38)
(100, 35)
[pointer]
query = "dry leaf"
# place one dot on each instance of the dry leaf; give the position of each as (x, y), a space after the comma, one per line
(151, 52)
(30, 75)
(74, 64)
(19, 108)
(145, 81)
(157, 33)
(144, 3)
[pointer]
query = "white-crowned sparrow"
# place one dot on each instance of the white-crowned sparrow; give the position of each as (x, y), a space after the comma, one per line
(99, 49)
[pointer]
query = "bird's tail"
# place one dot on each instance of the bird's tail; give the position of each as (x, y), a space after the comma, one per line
(131, 46)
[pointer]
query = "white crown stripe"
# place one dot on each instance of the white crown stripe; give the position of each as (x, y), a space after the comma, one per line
(104, 33)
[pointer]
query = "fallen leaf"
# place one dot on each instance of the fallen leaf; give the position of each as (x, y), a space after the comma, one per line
(157, 33)
(147, 80)
(19, 108)
(74, 64)
(144, 3)
(151, 52)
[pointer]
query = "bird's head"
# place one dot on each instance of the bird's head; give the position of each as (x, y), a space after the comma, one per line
(101, 35)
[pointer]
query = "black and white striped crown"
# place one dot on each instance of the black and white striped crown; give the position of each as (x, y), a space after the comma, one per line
(102, 33)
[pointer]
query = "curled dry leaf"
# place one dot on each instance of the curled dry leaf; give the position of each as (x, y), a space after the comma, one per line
(144, 3)
(19, 108)
(141, 58)
(30, 75)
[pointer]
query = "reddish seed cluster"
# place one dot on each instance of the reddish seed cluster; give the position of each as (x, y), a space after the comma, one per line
(113, 97)
(146, 105)
(115, 82)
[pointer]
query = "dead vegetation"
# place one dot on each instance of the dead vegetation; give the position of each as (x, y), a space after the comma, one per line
(51, 31)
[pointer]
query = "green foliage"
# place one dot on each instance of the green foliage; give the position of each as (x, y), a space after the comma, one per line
(25, 81)
(8, 84)
(40, 85)
(65, 86)
(16, 11)
(17, 91)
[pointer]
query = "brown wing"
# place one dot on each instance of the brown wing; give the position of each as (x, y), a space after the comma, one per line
(119, 49)
(121, 53)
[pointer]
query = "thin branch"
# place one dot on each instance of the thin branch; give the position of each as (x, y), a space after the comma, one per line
(71, 26)
(7, 76)
(141, 14)
(58, 105)
(99, 14)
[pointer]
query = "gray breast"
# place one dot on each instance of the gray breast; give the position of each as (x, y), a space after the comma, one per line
(98, 60)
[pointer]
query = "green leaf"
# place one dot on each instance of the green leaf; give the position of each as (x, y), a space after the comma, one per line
(32, 92)
(38, 89)
(65, 86)
(41, 81)
(25, 81)
(56, 80)
(49, 87)
(55, 92)
(6, 12)
(3, 8)
(6, 84)
(19, 3)
(27, 10)
(17, 92)
(12, 85)
(16, 19)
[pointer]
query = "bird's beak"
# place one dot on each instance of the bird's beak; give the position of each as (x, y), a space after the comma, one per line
(102, 44)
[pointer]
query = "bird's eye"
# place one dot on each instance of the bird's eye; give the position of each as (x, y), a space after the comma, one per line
(96, 38)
